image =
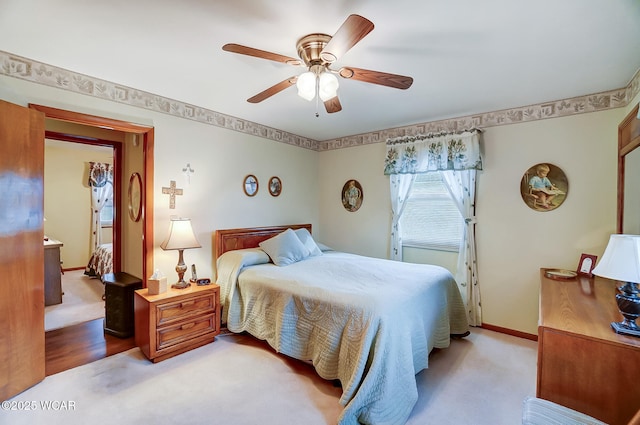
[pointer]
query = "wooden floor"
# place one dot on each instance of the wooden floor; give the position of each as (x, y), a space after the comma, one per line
(80, 344)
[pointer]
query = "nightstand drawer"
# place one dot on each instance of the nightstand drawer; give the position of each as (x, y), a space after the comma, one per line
(185, 331)
(180, 310)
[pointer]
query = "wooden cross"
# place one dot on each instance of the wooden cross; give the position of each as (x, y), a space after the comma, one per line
(172, 191)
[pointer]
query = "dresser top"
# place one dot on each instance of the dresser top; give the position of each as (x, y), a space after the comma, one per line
(584, 306)
(177, 294)
(52, 243)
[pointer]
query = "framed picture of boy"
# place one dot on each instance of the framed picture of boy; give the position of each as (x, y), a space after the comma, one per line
(544, 187)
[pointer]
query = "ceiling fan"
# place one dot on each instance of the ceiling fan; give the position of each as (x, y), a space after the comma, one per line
(317, 52)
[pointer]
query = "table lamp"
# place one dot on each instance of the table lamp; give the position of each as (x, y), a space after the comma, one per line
(621, 261)
(180, 237)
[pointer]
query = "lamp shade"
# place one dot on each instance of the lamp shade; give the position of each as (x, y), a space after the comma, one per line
(180, 235)
(621, 259)
(306, 85)
(328, 86)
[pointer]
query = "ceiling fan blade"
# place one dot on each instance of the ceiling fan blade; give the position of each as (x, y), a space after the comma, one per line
(376, 77)
(354, 29)
(275, 89)
(250, 51)
(333, 105)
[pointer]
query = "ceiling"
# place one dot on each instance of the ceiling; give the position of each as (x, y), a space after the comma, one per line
(466, 56)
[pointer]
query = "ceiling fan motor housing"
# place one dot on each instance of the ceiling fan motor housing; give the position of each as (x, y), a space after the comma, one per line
(310, 46)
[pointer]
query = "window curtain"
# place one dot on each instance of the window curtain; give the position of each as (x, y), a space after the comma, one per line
(400, 189)
(462, 187)
(101, 184)
(457, 155)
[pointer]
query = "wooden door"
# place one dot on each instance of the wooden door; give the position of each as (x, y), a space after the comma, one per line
(22, 361)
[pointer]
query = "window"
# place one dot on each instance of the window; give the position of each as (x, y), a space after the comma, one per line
(431, 219)
(106, 214)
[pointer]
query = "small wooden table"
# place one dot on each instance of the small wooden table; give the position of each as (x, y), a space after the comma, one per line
(582, 363)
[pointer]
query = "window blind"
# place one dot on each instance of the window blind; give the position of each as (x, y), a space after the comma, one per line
(431, 219)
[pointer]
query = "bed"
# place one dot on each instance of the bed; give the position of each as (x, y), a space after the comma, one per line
(101, 261)
(369, 323)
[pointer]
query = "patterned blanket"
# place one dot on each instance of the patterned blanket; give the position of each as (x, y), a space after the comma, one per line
(101, 261)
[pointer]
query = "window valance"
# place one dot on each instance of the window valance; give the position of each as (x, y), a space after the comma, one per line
(433, 152)
(100, 174)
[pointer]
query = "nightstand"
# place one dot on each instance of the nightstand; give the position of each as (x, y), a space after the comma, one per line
(176, 321)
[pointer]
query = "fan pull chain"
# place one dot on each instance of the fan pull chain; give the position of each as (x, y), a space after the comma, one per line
(317, 96)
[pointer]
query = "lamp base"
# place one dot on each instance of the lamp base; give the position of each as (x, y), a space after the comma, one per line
(181, 285)
(623, 328)
(629, 305)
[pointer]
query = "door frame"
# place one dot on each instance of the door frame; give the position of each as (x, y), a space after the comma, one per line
(147, 135)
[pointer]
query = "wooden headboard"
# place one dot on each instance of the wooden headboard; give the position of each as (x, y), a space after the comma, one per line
(230, 239)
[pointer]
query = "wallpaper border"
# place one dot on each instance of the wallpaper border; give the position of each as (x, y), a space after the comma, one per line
(611, 99)
(41, 73)
(37, 72)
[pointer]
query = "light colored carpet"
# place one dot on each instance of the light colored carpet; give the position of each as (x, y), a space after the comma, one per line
(81, 302)
(237, 380)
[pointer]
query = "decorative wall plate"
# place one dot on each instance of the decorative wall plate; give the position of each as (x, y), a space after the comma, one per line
(250, 185)
(275, 186)
(352, 195)
(544, 187)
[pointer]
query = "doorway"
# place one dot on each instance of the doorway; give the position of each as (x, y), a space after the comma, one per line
(139, 136)
(69, 202)
(135, 237)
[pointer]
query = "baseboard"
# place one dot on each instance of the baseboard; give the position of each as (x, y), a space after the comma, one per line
(511, 332)
(71, 269)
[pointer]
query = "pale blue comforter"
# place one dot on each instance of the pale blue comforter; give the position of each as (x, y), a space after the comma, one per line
(368, 322)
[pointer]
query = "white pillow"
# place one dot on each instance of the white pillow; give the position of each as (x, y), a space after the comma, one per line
(285, 248)
(307, 240)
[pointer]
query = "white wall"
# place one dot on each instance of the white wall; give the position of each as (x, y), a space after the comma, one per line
(221, 158)
(513, 241)
(366, 230)
(214, 199)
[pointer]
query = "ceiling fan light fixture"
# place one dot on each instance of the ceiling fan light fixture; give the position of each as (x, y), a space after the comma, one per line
(306, 85)
(328, 87)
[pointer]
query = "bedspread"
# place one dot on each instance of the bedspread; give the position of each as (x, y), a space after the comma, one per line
(368, 322)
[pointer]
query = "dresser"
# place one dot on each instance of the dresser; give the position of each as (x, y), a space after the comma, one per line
(176, 321)
(52, 272)
(582, 363)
